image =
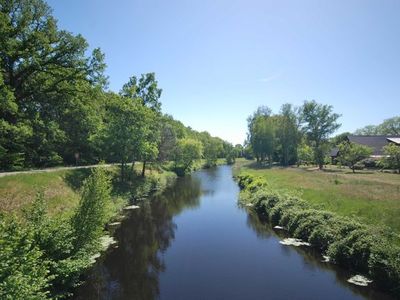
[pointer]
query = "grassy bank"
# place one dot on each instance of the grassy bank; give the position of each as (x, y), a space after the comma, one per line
(368, 197)
(61, 188)
(367, 249)
(53, 225)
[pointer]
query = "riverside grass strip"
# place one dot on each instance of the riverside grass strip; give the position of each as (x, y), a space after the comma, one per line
(370, 250)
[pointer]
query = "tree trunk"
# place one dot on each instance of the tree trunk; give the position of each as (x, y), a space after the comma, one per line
(144, 169)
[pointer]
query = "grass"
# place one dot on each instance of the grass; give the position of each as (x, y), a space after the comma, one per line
(369, 197)
(61, 189)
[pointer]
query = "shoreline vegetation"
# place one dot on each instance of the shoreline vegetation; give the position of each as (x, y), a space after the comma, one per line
(62, 221)
(368, 249)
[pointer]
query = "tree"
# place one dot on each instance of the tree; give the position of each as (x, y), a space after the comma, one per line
(186, 152)
(351, 153)
(211, 150)
(304, 154)
(319, 122)
(93, 210)
(392, 159)
(262, 137)
(45, 73)
(389, 126)
(287, 133)
(126, 130)
(146, 89)
(168, 140)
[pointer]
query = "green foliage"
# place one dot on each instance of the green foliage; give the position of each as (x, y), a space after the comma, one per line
(186, 152)
(351, 153)
(348, 243)
(93, 210)
(23, 272)
(318, 123)
(212, 147)
(305, 154)
(44, 74)
(389, 126)
(392, 159)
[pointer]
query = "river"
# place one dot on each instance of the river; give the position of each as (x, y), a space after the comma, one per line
(196, 242)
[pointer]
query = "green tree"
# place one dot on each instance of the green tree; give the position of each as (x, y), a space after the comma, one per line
(262, 138)
(389, 126)
(187, 151)
(351, 153)
(93, 210)
(319, 122)
(212, 148)
(392, 159)
(304, 154)
(46, 71)
(126, 131)
(288, 134)
(145, 88)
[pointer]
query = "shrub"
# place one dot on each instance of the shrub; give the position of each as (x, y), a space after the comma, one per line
(348, 243)
(93, 210)
(353, 251)
(23, 272)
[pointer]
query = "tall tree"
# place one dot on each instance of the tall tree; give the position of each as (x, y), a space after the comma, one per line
(319, 122)
(46, 71)
(145, 88)
(288, 134)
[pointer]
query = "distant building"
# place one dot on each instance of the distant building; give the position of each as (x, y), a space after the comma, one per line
(376, 142)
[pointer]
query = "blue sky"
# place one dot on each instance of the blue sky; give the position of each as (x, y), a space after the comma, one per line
(218, 60)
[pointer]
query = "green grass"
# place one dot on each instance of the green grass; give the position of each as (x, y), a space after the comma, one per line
(369, 197)
(61, 189)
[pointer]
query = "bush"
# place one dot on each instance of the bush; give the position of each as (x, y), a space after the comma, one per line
(23, 271)
(93, 210)
(354, 250)
(348, 243)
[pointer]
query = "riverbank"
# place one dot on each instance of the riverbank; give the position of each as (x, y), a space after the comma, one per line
(370, 197)
(43, 218)
(366, 249)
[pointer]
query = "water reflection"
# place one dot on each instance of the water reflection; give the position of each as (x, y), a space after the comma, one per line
(132, 270)
(194, 243)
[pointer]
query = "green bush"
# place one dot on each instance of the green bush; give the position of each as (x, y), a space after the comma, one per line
(348, 243)
(93, 210)
(24, 274)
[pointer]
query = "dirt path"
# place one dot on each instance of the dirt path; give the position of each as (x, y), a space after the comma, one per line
(3, 174)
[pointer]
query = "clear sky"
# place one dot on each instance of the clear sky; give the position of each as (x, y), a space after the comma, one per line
(218, 60)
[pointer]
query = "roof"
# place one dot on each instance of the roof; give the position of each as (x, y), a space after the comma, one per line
(376, 142)
(334, 152)
(394, 140)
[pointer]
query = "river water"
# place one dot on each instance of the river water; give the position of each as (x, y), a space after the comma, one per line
(196, 242)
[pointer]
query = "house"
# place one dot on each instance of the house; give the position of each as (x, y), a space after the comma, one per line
(376, 142)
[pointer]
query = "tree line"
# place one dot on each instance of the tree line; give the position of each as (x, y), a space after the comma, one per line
(56, 108)
(303, 135)
(294, 135)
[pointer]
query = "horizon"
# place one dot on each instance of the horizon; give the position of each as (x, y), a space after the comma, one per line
(217, 62)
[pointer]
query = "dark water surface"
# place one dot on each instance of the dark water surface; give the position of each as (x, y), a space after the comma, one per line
(195, 242)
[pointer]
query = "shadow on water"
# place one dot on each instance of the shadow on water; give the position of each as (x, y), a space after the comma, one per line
(132, 270)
